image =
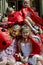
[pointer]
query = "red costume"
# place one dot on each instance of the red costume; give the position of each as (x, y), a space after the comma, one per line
(15, 17)
(11, 17)
(5, 39)
(35, 49)
(30, 12)
(18, 17)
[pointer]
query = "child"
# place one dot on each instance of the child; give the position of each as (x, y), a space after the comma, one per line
(29, 49)
(26, 14)
(27, 11)
(7, 47)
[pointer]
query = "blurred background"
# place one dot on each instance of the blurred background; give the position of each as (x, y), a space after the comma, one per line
(37, 5)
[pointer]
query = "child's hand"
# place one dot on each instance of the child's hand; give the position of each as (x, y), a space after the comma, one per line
(11, 61)
(20, 55)
(24, 60)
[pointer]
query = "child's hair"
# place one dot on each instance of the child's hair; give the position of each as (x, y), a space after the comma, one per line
(26, 1)
(25, 27)
(16, 31)
(16, 27)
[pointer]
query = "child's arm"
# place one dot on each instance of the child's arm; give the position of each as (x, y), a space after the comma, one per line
(3, 58)
(11, 61)
(24, 60)
(28, 22)
(3, 62)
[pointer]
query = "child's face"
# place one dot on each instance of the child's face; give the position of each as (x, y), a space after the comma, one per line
(16, 30)
(25, 33)
(26, 3)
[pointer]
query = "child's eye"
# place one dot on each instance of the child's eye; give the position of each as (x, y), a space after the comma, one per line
(25, 2)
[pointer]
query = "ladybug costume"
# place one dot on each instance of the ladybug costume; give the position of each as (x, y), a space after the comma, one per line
(5, 39)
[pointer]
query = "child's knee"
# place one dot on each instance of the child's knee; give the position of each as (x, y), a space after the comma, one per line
(38, 63)
(38, 58)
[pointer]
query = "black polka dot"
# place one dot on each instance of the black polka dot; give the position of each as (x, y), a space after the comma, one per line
(3, 30)
(3, 43)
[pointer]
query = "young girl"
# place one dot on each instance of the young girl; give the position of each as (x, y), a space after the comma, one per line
(29, 16)
(29, 49)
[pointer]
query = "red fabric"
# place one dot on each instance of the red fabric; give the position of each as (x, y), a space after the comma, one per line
(15, 17)
(23, 12)
(5, 39)
(33, 15)
(25, 64)
(35, 48)
(17, 52)
(11, 17)
(41, 38)
(41, 44)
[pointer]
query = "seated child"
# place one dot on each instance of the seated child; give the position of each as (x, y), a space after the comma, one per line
(7, 47)
(28, 11)
(29, 49)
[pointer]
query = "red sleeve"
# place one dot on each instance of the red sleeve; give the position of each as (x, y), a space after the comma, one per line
(35, 47)
(24, 13)
(35, 17)
(38, 20)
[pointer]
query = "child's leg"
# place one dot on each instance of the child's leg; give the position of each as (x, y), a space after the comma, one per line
(18, 63)
(38, 59)
(31, 27)
(30, 20)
